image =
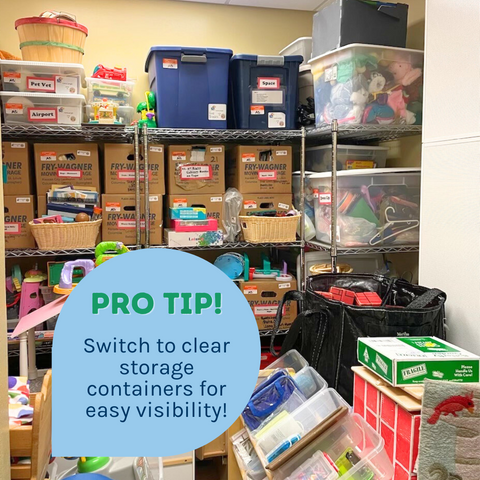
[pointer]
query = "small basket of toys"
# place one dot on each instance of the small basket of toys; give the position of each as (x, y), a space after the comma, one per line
(261, 229)
(65, 236)
(51, 37)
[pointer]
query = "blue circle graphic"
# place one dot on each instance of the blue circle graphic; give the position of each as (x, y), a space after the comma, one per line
(156, 353)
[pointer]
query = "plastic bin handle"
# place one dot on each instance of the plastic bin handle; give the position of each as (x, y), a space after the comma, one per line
(194, 58)
(277, 60)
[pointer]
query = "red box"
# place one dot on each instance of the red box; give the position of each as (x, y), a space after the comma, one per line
(342, 295)
(368, 299)
(325, 294)
(396, 417)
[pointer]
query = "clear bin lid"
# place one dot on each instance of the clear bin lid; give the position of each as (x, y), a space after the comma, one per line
(347, 147)
(41, 95)
(130, 81)
(368, 172)
(298, 40)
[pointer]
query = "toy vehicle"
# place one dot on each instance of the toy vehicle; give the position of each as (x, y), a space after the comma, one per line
(115, 73)
(109, 90)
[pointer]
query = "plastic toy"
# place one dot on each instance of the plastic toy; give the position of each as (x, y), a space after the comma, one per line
(342, 295)
(231, 264)
(284, 275)
(106, 250)
(105, 112)
(208, 225)
(347, 461)
(251, 273)
(284, 446)
(115, 73)
(147, 110)
(66, 285)
(368, 299)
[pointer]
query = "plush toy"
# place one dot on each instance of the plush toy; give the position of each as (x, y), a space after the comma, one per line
(413, 86)
(376, 88)
(377, 113)
(399, 69)
(397, 103)
(359, 100)
(340, 104)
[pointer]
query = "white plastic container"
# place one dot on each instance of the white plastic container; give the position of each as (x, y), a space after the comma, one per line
(302, 46)
(42, 108)
(42, 77)
(349, 157)
(375, 206)
(291, 361)
(350, 434)
(114, 90)
(316, 468)
(124, 114)
(368, 84)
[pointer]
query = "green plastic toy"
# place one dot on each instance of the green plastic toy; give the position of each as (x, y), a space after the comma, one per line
(147, 110)
(91, 464)
(250, 273)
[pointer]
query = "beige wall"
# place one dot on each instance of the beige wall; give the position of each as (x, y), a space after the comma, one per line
(136, 25)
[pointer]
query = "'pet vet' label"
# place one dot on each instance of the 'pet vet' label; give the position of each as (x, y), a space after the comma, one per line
(37, 84)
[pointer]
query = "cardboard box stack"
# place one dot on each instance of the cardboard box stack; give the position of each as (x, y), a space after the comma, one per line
(195, 179)
(118, 202)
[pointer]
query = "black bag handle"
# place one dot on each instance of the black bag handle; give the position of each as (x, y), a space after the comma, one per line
(294, 295)
(423, 300)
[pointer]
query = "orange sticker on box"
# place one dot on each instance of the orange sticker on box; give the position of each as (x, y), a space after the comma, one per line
(267, 174)
(180, 203)
(179, 156)
(48, 156)
(257, 110)
(249, 204)
(250, 290)
(12, 77)
(14, 108)
(248, 157)
(170, 63)
(112, 207)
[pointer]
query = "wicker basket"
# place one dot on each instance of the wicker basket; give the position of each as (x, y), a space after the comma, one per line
(65, 236)
(51, 39)
(257, 229)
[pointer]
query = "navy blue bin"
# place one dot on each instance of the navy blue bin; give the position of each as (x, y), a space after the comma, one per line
(190, 85)
(263, 92)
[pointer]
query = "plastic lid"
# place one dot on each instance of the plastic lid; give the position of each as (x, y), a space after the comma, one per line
(186, 50)
(367, 171)
(41, 95)
(347, 147)
(110, 80)
(51, 21)
(254, 58)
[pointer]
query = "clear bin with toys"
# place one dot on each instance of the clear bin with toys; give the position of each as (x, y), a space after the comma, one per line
(117, 91)
(351, 446)
(374, 206)
(368, 84)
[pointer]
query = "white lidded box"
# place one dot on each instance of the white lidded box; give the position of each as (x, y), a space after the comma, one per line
(116, 91)
(368, 84)
(375, 207)
(42, 77)
(42, 108)
(349, 157)
(301, 46)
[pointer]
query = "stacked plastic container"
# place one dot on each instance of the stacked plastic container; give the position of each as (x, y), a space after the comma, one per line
(42, 92)
(290, 401)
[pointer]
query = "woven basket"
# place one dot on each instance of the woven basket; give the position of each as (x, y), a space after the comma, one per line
(65, 236)
(258, 229)
(51, 39)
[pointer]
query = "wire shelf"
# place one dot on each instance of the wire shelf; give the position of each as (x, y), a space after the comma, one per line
(235, 245)
(269, 333)
(323, 247)
(32, 252)
(359, 133)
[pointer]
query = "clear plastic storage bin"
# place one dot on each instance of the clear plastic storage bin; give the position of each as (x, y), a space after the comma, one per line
(42, 77)
(124, 114)
(349, 157)
(246, 456)
(315, 468)
(40, 108)
(301, 46)
(116, 91)
(375, 206)
(356, 449)
(291, 361)
(309, 381)
(368, 84)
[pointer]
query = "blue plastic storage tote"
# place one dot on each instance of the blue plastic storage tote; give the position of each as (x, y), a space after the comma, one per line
(263, 91)
(190, 85)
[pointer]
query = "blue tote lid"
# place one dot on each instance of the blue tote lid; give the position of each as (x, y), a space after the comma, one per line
(186, 50)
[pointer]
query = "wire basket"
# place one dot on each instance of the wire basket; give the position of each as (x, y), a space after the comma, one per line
(258, 229)
(65, 236)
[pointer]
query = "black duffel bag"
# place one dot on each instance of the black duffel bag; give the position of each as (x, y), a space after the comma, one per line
(326, 331)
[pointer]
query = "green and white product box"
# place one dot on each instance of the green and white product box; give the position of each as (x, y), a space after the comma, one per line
(410, 360)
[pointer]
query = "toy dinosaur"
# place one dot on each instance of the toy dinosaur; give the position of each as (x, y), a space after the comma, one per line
(147, 111)
(451, 406)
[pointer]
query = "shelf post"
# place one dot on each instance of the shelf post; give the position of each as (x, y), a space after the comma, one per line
(303, 264)
(137, 188)
(333, 194)
(146, 189)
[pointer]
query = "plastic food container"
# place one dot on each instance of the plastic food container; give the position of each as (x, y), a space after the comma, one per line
(375, 206)
(113, 90)
(368, 84)
(263, 92)
(42, 77)
(190, 85)
(357, 450)
(349, 157)
(315, 468)
(124, 114)
(302, 46)
(42, 108)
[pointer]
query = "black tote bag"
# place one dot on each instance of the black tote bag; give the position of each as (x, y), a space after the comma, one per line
(326, 331)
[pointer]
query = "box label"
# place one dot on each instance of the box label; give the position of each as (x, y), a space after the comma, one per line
(248, 157)
(43, 115)
(112, 207)
(216, 149)
(130, 224)
(23, 200)
(276, 120)
(459, 371)
(195, 172)
(415, 371)
(14, 108)
(65, 173)
(250, 290)
(284, 206)
(153, 198)
(265, 310)
(331, 73)
(217, 111)
(375, 361)
(268, 83)
(156, 149)
(428, 345)
(284, 285)
(13, 228)
(129, 175)
(179, 156)
(281, 153)
(267, 97)
(66, 85)
(324, 198)
(249, 204)
(257, 110)
(17, 145)
(48, 156)
(83, 153)
(180, 203)
(12, 77)
(37, 84)
(170, 63)
(216, 199)
(68, 115)
(267, 174)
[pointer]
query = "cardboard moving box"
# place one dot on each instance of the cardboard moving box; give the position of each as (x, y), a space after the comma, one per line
(254, 203)
(19, 211)
(212, 203)
(264, 295)
(69, 163)
(260, 169)
(120, 169)
(194, 169)
(118, 216)
(16, 160)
